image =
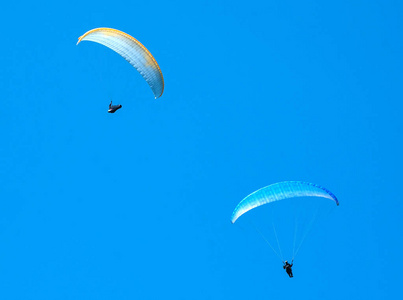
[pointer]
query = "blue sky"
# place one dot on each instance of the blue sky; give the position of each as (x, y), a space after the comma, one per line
(137, 204)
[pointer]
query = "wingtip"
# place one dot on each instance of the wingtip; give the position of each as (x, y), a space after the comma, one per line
(79, 40)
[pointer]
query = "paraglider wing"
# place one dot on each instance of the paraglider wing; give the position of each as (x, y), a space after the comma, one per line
(131, 50)
(280, 191)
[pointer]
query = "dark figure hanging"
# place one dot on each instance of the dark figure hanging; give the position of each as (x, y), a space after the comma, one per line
(288, 269)
(113, 108)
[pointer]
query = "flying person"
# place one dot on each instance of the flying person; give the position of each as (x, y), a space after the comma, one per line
(113, 108)
(288, 269)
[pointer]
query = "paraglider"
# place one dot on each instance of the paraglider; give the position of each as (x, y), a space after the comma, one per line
(288, 268)
(285, 191)
(132, 51)
(281, 191)
(113, 108)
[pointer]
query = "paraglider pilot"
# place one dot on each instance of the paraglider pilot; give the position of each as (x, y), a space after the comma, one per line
(288, 269)
(113, 108)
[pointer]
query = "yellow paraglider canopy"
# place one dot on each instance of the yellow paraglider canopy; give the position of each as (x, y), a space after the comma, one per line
(131, 50)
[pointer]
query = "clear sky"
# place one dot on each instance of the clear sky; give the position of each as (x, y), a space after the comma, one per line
(137, 204)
